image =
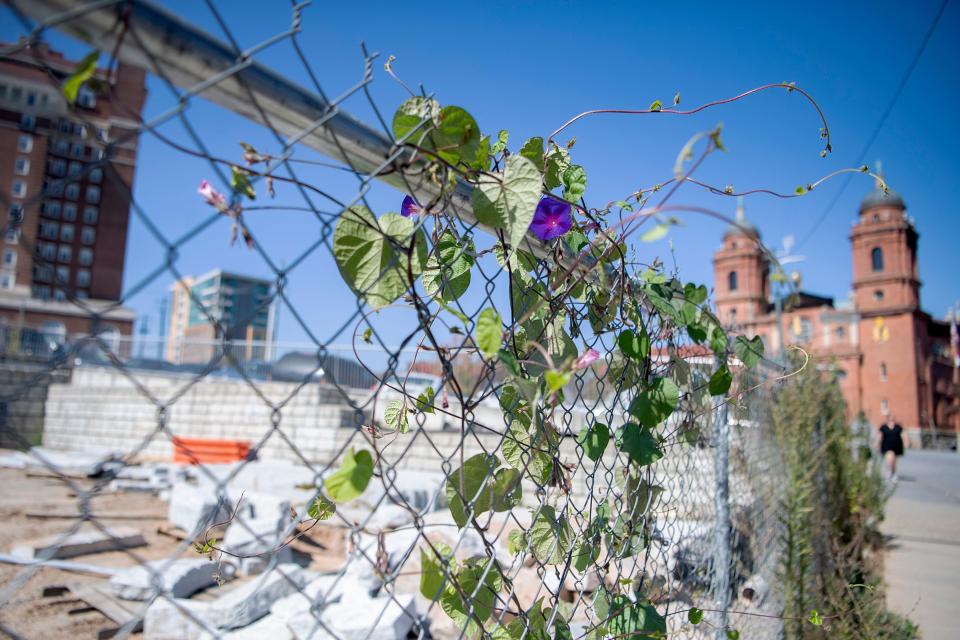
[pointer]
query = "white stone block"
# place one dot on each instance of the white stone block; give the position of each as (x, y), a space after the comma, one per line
(383, 618)
(234, 610)
(180, 578)
(194, 508)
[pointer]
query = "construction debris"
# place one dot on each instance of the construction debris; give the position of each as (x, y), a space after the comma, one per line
(237, 608)
(383, 618)
(63, 565)
(179, 578)
(80, 543)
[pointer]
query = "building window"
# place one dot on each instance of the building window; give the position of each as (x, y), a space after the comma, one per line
(76, 150)
(93, 194)
(59, 295)
(7, 281)
(52, 329)
(25, 143)
(85, 257)
(88, 235)
(58, 166)
(63, 275)
(9, 258)
(82, 294)
(83, 277)
(95, 175)
(16, 213)
(732, 281)
(42, 272)
(64, 253)
(86, 97)
(884, 407)
(19, 189)
(878, 295)
(66, 232)
(49, 230)
(73, 191)
(69, 211)
(75, 168)
(111, 336)
(28, 122)
(51, 209)
(841, 333)
(883, 372)
(47, 250)
(90, 215)
(15, 93)
(41, 292)
(53, 188)
(21, 166)
(876, 259)
(13, 235)
(61, 146)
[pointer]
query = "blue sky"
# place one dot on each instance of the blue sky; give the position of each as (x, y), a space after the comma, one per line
(528, 66)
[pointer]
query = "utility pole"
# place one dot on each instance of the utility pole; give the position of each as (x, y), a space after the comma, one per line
(161, 343)
(779, 282)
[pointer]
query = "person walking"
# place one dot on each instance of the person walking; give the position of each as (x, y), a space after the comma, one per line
(891, 439)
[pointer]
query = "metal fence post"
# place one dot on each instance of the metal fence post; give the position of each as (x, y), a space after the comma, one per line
(722, 556)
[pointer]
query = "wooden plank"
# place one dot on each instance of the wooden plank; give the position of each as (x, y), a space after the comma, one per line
(95, 516)
(97, 595)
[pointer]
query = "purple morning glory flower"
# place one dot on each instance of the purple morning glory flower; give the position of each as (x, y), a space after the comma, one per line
(409, 207)
(551, 220)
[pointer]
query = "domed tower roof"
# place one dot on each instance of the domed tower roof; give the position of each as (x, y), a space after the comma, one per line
(882, 196)
(743, 226)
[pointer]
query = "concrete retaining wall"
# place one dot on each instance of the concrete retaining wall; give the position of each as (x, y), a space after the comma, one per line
(103, 409)
(23, 395)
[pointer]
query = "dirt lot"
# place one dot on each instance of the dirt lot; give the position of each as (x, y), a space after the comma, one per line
(25, 496)
(27, 613)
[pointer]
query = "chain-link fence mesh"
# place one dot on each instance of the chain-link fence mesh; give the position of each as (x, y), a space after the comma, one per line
(502, 508)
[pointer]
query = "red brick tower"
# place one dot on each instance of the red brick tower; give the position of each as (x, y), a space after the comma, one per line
(740, 275)
(887, 297)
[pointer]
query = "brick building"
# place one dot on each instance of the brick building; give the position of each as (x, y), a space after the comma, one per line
(892, 357)
(66, 175)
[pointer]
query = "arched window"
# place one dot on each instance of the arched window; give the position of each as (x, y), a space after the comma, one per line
(732, 281)
(876, 259)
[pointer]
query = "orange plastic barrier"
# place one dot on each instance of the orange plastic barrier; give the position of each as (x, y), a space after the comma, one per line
(197, 450)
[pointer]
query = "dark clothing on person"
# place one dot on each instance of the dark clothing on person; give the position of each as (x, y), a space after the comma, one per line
(891, 439)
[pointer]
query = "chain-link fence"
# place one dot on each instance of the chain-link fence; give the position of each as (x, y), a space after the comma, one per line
(415, 484)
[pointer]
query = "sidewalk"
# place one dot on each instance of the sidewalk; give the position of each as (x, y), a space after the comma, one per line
(923, 557)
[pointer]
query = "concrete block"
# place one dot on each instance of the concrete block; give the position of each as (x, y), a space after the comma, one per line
(193, 508)
(80, 543)
(180, 578)
(383, 618)
(254, 538)
(234, 610)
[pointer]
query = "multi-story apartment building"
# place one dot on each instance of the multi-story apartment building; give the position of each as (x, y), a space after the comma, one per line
(209, 310)
(892, 357)
(66, 179)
